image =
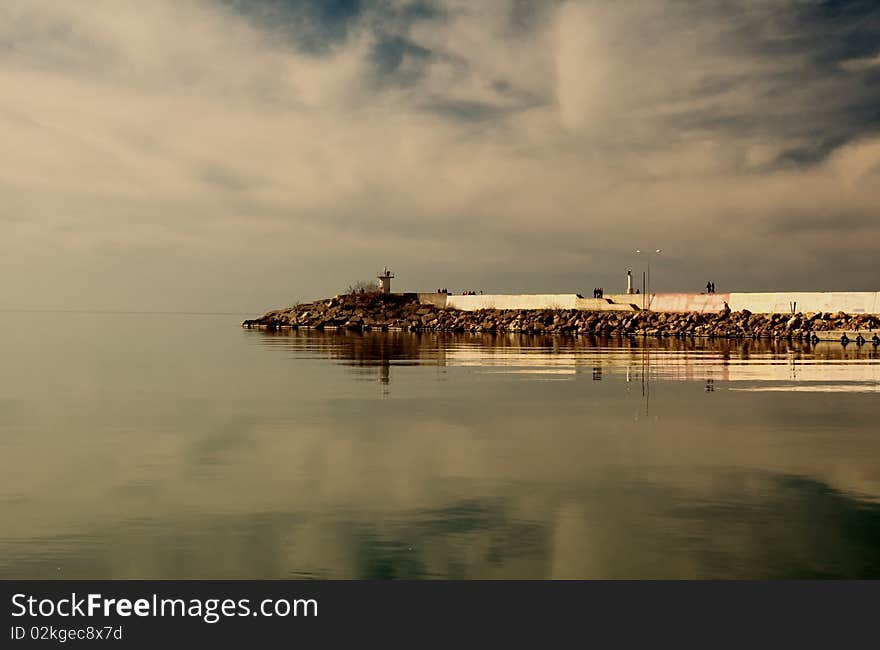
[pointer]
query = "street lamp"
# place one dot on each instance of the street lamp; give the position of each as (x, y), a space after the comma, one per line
(646, 284)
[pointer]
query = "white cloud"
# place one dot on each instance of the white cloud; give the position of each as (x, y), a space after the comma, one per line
(864, 63)
(177, 150)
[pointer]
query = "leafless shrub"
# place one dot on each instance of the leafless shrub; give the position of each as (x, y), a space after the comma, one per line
(363, 286)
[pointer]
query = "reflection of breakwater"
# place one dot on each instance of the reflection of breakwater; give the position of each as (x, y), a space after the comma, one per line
(822, 366)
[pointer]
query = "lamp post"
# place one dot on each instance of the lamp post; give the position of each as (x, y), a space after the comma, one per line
(646, 284)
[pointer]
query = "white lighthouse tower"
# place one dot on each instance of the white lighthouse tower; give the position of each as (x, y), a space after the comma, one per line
(385, 280)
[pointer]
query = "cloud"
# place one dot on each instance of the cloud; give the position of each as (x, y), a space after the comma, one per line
(864, 63)
(581, 66)
(222, 155)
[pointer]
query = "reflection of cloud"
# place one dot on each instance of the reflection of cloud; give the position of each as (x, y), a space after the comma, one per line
(205, 154)
(655, 528)
(270, 460)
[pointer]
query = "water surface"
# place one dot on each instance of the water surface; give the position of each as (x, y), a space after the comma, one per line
(181, 446)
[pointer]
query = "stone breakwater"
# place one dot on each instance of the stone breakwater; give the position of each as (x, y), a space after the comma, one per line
(365, 312)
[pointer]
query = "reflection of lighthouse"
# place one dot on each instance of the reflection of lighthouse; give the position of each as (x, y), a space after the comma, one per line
(385, 280)
(384, 378)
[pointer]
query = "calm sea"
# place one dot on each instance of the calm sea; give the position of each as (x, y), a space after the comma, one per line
(181, 446)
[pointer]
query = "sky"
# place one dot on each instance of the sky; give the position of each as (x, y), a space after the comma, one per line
(232, 155)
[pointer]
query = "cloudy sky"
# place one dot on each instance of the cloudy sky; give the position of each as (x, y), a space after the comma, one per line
(232, 155)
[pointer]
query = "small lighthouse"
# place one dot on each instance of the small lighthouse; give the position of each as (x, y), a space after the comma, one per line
(629, 281)
(385, 280)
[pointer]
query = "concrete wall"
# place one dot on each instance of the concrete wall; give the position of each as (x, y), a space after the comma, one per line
(527, 301)
(674, 302)
(625, 299)
(680, 302)
(851, 302)
(435, 299)
(514, 301)
(603, 304)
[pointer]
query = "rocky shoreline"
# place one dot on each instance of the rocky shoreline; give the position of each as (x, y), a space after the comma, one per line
(394, 312)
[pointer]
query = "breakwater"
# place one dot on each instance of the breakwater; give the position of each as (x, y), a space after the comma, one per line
(365, 312)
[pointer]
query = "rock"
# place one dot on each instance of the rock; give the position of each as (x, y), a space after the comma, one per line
(376, 311)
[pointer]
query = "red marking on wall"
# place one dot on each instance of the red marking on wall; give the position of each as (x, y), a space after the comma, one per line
(681, 302)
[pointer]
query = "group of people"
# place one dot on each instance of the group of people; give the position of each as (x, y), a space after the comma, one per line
(598, 292)
(464, 293)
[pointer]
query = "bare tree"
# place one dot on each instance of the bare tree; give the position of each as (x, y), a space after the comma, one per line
(363, 286)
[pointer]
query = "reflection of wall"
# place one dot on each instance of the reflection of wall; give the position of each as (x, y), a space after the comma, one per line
(854, 367)
(746, 364)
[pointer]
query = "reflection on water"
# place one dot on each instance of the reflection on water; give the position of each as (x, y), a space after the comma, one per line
(173, 447)
(771, 365)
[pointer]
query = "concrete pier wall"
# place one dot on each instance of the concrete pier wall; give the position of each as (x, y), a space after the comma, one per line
(674, 302)
(435, 299)
(513, 301)
(603, 304)
(850, 302)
